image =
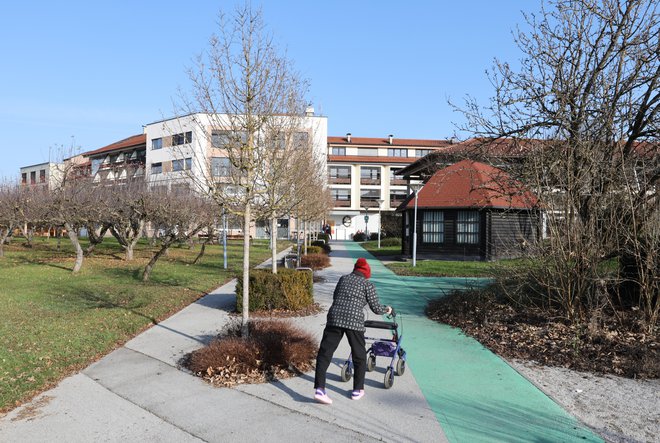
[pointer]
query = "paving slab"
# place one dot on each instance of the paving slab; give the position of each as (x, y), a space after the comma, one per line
(81, 410)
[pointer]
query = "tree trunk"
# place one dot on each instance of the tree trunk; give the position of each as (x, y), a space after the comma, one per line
(150, 266)
(273, 242)
(246, 272)
(28, 234)
(95, 239)
(2, 245)
(73, 236)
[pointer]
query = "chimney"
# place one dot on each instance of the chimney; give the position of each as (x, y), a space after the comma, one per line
(348, 137)
(391, 136)
(309, 111)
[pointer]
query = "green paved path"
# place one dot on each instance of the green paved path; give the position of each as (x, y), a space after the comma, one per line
(475, 395)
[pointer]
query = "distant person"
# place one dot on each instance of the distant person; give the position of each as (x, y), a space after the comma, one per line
(346, 317)
(328, 230)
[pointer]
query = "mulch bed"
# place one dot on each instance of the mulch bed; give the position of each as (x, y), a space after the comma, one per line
(545, 337)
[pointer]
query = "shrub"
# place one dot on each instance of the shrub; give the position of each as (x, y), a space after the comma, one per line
(314, 249)
(323, 245)
(274, 348)
(373, 236)
(288, 289)
(359, 236)
(390, 241)
(323, 236)
(315, 261)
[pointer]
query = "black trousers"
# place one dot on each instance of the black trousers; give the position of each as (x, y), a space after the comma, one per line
(332, 335)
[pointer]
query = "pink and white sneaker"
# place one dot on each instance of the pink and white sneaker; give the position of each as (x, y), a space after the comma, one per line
(357, 394)
(322, 397)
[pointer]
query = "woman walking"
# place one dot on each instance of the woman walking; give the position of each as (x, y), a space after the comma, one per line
(353, 292)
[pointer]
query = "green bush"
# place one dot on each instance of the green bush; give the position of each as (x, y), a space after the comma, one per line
(324, 237)
(314, 249)
(315, 261)
(390, 241)
(288, 289)
(323, 245)
(359, 236)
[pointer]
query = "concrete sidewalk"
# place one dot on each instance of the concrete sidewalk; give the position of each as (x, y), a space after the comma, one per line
(137, 393)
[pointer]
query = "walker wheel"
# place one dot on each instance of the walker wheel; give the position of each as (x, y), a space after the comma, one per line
(346, 371)
(389, 378)
(371, 362)
(400, 366)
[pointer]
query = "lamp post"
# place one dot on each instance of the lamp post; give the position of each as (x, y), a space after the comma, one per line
(366, 222)
(416, 188)
(224, 236)
(380, 225)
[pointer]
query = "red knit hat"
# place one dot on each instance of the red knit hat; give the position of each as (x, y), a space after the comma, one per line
(363, 267)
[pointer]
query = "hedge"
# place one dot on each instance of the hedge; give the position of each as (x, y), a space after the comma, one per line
(288, 289)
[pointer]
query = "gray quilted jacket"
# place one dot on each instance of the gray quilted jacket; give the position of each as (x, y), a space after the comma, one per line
(352, 294)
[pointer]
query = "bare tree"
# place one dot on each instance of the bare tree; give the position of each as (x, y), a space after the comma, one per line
(10, 220)
(176, 217)
(246, 88)
(288, 177)
(586, 102)
(70, 206)
(127, 213)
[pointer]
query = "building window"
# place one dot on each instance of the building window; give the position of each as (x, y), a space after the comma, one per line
(42, 176)
(467, 227)
(338, 151)
(24, 178)
(340, 174)
(433, 227)
(397, 197)
(300, 139)
(422, 152)
(228, 139)
(156, 168)
(341, 194)
(182, 138)
(33, 177)
(369, 173)
(220, 167)
(369, 152)
(182, 164)
(369, 198)
(156, 143)
(397, 152)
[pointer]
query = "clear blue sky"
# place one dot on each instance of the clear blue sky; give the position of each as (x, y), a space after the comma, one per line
(87, 73)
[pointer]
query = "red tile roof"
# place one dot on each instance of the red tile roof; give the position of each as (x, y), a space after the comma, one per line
(376, 141)
(130, 142)
(470, 184)
(369, 159)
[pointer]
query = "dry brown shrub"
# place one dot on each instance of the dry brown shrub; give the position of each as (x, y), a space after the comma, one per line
(275, 349)
(315, 261)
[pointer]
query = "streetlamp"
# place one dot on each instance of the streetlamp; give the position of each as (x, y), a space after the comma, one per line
(380, 204)
(416, 188)
(366, 222)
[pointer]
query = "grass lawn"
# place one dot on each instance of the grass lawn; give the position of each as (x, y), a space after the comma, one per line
(438, 268)
(55, 323)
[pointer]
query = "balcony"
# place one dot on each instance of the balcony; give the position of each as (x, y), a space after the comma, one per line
(395, 202)
(340, 180)
(364, 203)
(370, 181)
(398, 181)
(342, 203)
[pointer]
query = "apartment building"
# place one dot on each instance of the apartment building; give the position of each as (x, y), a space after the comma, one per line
(363, 175)
(46, 174)
(118, 162)
(188, 150)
